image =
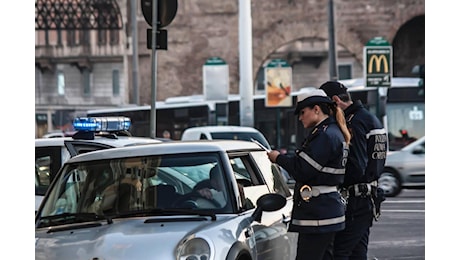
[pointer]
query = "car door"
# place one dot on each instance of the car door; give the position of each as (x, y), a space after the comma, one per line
(48, 161)
(414, 163)
(258, 176)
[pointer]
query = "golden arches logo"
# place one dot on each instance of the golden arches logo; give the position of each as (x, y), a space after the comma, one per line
(378, 60)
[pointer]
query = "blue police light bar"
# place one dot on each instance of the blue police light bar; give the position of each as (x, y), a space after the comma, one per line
(101, 124)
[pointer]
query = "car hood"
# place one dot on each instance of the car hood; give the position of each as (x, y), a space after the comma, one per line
(396, 157)
(124, 238)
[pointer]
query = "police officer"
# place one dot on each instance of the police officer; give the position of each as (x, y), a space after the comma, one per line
(365, 164)
(318, 167)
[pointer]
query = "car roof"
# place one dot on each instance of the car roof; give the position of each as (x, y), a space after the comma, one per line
(222, 128)
(120, 141)
(173, 147)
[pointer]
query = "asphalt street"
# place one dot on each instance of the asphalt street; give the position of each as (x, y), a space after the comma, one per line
(399, 234)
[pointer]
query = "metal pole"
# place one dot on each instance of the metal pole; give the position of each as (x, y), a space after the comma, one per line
(332, 51)
(278, 128)
(135, 67)
(245, 56)
(154, 69)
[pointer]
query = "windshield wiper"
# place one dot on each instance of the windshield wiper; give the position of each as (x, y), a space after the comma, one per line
(166, 212)
(70, 218)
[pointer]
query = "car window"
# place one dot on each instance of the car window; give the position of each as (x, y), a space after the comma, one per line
(275, 180)
(76, 147)
(252, 184)
(419, 149)
(125, 186)
(48, 160)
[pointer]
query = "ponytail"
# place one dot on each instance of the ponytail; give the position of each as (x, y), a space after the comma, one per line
(332, 109)
(340, 118)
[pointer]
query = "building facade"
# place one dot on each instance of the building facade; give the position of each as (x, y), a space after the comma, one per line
(81, 69)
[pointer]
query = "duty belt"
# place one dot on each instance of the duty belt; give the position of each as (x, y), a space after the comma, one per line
(361, 189)
(306, 192)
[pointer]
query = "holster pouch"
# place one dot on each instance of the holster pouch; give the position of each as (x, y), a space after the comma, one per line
(378, 196)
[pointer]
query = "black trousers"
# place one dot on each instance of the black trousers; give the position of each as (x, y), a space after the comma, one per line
(315, 246)
(352, 242)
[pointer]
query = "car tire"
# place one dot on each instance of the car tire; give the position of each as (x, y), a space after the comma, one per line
(390, 183)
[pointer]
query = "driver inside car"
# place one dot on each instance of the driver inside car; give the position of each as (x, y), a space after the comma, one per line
(212, 189)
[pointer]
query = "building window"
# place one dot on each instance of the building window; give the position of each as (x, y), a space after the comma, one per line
(61, 83)
(101, 37)
(71, 38)
(47, 38)
(116, 82)
(345, 71)
(85, 37)
(86, 81)
(59, 37)
(114, 37)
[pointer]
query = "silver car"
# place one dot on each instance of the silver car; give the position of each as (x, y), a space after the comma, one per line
(173, 200)
(404, 169)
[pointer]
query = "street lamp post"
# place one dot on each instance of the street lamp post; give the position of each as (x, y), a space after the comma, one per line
(332, 50)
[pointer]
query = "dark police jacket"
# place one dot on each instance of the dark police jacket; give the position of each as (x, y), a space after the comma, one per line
(320, 162)
(368, 145)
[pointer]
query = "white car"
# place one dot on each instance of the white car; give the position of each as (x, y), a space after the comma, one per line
(404, 169)
(224, 133)
(148, 202)
(51, 153)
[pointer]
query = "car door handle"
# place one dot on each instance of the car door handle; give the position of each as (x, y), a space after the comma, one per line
(286, 219)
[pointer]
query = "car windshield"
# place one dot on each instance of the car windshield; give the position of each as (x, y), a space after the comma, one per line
(151, 185)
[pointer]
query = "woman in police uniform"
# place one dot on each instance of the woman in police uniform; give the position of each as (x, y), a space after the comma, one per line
(318, 168)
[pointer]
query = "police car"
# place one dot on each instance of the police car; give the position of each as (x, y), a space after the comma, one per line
(214, 199)
(92, 134)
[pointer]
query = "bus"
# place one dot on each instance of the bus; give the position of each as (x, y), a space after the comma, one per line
(402, 113)
(401, 109)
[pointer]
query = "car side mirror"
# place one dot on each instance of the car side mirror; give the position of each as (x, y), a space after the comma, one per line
(419, 150)
(268, 202)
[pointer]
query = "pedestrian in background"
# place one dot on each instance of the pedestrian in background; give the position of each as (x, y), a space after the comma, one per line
(318, 167)
(365, 163)
(166, 134)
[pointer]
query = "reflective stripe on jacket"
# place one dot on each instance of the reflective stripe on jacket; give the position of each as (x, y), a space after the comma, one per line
(368, 147)
(320, 162)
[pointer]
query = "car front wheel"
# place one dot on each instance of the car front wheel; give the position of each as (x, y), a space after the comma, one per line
(390, 183)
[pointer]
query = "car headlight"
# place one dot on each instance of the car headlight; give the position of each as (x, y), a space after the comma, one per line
(194, 249)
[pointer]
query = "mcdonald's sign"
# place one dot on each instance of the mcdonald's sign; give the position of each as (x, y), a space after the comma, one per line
(378, 65)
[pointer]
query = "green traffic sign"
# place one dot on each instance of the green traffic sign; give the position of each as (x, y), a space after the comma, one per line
(378, 41)
(277, 63)
(215, 61)
(378, 63)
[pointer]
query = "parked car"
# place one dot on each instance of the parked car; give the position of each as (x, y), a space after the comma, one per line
(224, 133)
(142, 202)
(404, 169)
(51, 153)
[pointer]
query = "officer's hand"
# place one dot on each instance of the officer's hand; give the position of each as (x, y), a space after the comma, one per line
(272, 155)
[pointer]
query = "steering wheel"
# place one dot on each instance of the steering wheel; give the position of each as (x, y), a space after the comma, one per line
(193, 200)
